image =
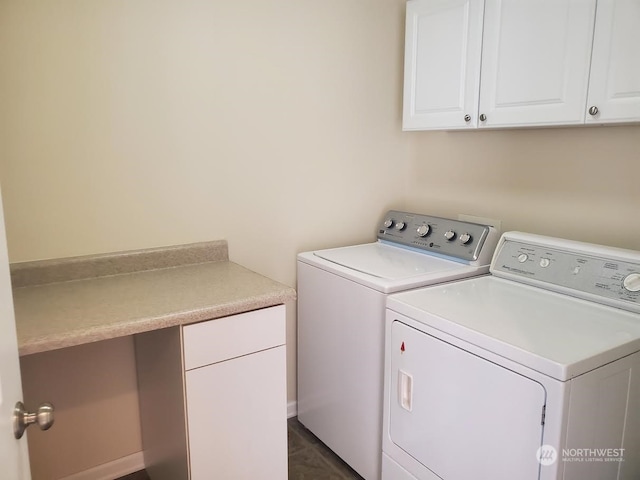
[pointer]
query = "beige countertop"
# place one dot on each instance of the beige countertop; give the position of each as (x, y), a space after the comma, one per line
(66, 302)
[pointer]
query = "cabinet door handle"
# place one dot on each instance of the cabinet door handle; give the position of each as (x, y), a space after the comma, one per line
(467, 118)
(593, 111)
(483, 117)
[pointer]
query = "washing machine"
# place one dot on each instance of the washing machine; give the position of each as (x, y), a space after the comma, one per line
(341, 311)
(530, 373)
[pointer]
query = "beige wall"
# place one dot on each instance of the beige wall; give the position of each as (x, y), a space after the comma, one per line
(274, 124)
(137, 123)
(578, 183)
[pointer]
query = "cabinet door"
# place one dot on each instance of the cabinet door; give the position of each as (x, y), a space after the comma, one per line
(535, 62)
(614, 86)
(237, 413)
(442, 64)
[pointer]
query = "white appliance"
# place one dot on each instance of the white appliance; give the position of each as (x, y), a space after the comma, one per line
(532, 372)
(341, 307)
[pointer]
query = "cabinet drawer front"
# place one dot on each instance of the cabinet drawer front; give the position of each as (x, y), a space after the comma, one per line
(229, 337)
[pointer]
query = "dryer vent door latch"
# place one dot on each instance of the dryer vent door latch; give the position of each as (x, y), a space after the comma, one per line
(405, 390)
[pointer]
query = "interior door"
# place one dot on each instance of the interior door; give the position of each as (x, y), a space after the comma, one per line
(460, 415)
(14, 456)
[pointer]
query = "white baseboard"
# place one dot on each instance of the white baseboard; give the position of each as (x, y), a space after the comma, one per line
(115, 469)
(292, 409)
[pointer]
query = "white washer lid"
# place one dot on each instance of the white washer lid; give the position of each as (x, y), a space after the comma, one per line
(555, 334)
(386, 261)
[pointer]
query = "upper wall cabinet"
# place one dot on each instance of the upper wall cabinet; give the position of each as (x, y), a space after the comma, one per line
(614, 85)
(515, 63)
(442, 63)
(535, 62)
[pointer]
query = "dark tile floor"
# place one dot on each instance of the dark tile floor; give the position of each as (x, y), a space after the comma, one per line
(309, 458)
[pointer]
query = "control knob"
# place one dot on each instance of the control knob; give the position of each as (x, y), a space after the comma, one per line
(388, 223)
(423, 230)
(465, 238)
(449, 235)
(400, 226)
(631, 282)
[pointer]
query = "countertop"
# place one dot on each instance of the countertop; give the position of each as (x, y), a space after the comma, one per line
(67, 302)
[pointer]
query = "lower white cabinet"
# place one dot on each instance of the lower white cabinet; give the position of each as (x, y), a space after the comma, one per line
(213, 398)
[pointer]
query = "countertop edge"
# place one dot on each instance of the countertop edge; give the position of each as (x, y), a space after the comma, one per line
(173, 319)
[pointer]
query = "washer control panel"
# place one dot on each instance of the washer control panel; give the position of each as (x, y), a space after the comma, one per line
(452, 238)
(594, 272)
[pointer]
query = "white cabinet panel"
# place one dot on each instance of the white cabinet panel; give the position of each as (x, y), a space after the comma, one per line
(614, 87)
(237, 418)
(442, 64)
(535, 62)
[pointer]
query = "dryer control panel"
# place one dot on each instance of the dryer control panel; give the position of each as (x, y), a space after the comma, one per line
(603, 274)
(457, 239)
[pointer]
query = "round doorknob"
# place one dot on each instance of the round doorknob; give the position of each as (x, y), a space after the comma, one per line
(22, 419)
(483, 117)
(467, 118)
(593, 111)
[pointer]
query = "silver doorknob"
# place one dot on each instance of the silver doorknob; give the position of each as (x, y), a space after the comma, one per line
(22, 419)
(483, 117)
(467, 118)
(593, 111)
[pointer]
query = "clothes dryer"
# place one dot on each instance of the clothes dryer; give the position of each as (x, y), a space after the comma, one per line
(532, 372)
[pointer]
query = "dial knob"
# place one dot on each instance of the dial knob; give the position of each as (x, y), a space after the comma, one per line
(523, 257)
(388, 223)
(632, 282)
(400, 226)
(449, 235)
(465, 238)
(423, 230)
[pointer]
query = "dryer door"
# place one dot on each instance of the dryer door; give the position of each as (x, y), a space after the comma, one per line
(459, 415)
